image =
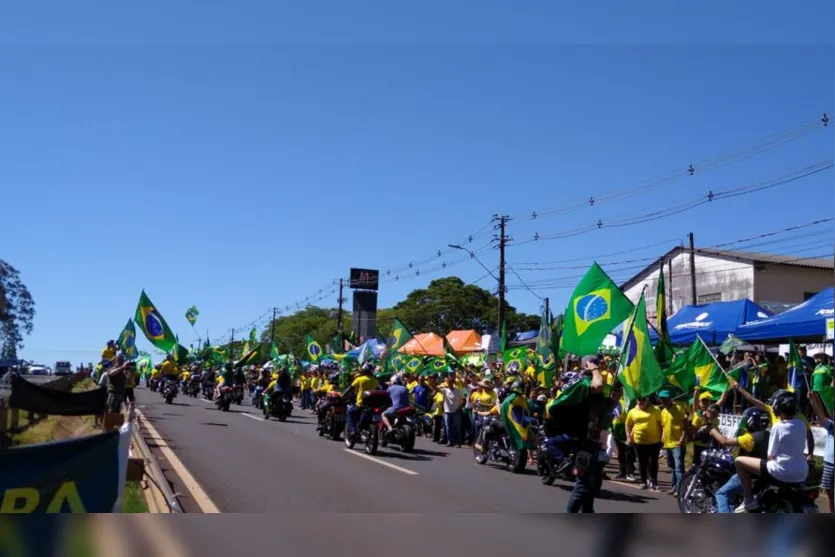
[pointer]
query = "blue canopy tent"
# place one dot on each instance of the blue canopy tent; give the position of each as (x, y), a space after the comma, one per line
(713, 322)
(803, 322)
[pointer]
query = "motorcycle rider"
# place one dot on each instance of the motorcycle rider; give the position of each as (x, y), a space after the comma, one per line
(399, 399)
(227, 377)
(752, 441)
(170, 371)
(785, 461)
(365, 381)
(281, 385)
(325, 404)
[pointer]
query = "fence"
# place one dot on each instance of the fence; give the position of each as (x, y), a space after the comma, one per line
(12, 420)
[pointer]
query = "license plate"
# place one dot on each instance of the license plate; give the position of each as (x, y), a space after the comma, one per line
(377, 418)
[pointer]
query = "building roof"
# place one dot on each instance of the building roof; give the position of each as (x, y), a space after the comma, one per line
(731, 255)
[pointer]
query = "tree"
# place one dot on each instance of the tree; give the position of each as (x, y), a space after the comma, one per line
(290, 330)
(17, 311)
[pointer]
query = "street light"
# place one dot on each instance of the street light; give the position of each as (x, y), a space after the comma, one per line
(472, 255)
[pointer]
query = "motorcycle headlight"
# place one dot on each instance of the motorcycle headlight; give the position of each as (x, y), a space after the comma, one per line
(705, 455)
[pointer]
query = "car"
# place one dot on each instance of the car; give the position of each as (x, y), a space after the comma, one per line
(37, 370)
(63, 368)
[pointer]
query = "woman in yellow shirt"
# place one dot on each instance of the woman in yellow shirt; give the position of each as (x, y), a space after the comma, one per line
(644, 432)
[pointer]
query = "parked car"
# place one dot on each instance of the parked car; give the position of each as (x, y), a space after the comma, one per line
(37, 370)
(63, 368)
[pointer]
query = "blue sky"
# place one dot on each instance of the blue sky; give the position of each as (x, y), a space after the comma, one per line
(240, 177)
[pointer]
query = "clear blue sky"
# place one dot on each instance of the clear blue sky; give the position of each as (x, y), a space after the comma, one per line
(240, 177)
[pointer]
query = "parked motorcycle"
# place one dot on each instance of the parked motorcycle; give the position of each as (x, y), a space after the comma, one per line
(498, 448)
(333, 422)
(277, 405)
(368, 425)
(403, 431)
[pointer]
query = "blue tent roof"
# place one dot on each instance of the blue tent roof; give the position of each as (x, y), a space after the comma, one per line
(803, 321)
(713, 322)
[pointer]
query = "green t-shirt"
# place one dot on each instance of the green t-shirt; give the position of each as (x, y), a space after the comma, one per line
(822, 377)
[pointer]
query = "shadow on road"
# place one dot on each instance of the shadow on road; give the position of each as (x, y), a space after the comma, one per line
(607, 495)
(172, 414)
(214, 424)
(426, 452)
(395, 455)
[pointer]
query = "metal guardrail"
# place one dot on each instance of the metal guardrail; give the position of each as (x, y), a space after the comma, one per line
(152, 468)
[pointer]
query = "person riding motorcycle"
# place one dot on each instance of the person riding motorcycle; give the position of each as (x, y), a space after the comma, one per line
(494, 423)
(399, 399)
(170, 370)
(365, 381)
(785, 461)
(281, 385)
(752, 440)
(227, 378)
(325, 404)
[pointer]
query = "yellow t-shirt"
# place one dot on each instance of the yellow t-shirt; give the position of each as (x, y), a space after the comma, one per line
(645, 424)
(673, 421)
(483, 400)
(364, 383)
(325, 387)
(608, 377)
(155, 373)
(271, 386)
(530, 373)
(411, 386)
(698, 421)
(746, 442)
(108, 353)
(315, 383)
(185, 375)
(170, 369)
(304, 383)
(438, 399)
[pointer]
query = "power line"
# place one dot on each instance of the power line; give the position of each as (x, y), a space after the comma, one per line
(774, 233)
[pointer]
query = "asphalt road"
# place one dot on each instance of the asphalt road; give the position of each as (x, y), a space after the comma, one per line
(246, 464)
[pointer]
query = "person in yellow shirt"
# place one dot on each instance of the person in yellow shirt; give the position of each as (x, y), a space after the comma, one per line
(644, 431)
(170, 370)
(674, 437)
(365, 381)
(705, 412)
(108, 353)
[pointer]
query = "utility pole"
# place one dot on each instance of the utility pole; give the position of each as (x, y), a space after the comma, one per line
(692, 269)
(547, 311)
(272, 329)
(670, 276)
(232, 347)
(339, 312)
(503, 240)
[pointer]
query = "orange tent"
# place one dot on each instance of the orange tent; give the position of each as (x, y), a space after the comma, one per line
(463, 342)
(424, 344)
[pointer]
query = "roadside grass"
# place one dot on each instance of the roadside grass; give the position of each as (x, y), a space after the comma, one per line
(55, 428)
(134, 501)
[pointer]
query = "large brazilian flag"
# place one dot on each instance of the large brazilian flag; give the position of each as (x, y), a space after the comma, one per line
(153, 325)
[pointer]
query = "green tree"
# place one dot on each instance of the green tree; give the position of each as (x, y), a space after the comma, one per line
(17, 311)
(289, 331)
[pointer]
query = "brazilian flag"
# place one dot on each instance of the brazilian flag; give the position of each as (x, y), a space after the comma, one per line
(253, 357)
(180, 354)
(127, 341)
(437, 365)
(513, 412)
(414, 365)
(191, 315)
(153, 325)
(398, 362)
(640, 373)
(518, 355)
(314, 351)
(663, 349)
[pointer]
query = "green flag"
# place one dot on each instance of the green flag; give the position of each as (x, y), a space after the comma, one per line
(730, 344)
(191, 315)
(709, 374)
(518, 355)
(153, 325)
(503, 338)
(663, 349)
(682, 373)
(827, 394)
(512, 412)
(180, 354)
(556, 333)
(253, 336)
(640, 373)
(414, 364)
(273, 352)
(253, 357)
(127, 341)
(596, 307)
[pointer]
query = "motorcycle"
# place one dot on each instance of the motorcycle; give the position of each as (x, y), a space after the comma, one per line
(193, 387)
(697, 490)
(403, 431)
(277, 405)
(333, 422)
(208, 391)
(368, 425)
(238, 395)
(225, 399)
(499, 448)
(257, 396)
(548, 469)
(153, 384)
(169, 390)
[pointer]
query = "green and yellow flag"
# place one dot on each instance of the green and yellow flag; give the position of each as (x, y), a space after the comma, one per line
(253, 357)
(663, 349)
(153, 325)
(513, 411)
(709, 374)
(596, 307)
(314, 351)
(640, 373)
(127, 341)
(795, 368)
(180, 354)
(191, 315)
(519, 355)
(414, 365)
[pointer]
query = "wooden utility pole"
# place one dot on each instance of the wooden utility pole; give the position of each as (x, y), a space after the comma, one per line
(503, 239)
(693, 270)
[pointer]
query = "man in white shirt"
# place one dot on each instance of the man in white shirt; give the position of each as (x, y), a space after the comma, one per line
(786, 462)
(453, 402)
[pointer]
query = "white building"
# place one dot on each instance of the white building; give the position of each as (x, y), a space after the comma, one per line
(720, 275)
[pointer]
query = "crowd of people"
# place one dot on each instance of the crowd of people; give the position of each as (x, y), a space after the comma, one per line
(774, 439)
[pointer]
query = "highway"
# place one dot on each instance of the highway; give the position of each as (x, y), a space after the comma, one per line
(246, 464)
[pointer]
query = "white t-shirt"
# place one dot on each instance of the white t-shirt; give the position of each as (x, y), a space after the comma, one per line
(786, 460)
(453, 399)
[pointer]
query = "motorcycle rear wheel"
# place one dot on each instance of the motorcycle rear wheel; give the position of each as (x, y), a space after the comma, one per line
(335, 431)
(480, 458)
(350, 440)
(519, 461)
(693, 506)
(371, 442)
(546, 474)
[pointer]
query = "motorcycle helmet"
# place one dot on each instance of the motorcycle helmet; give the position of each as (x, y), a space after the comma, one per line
(333, 378)
(396, 379)
(513, 367)
(517, 388)
(755, 419)
(784, 402)
(503, 392)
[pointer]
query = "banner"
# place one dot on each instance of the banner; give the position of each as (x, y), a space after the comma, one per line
(43, 400)
(83, 475)
(830, 329)
(729, 423)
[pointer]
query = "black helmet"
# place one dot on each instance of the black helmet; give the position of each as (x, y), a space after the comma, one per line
(755, 419)
(333, 378)
(517, 388)
(784, 402)
(503, 392)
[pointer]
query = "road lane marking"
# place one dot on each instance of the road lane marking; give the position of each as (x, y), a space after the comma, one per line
(251, 416)
(382, 462)
(198, 494)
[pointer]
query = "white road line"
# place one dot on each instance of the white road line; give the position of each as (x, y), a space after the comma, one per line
(198, 494)
(382, 462)
(251, 416)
